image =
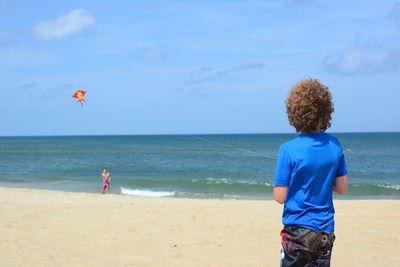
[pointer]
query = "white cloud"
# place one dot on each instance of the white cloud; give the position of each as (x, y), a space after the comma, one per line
(151, 52)
(377, 54)
(72, 23)
(349, 62)
(395, 13)
(208, 74)
(361, 60)
(5, 36)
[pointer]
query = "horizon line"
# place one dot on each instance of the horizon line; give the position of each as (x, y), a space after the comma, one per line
(190, 134)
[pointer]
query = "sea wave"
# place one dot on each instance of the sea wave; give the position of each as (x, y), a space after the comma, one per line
(207, 185)
(375, 189)
(227, 181)
(146, 193)
(390, 186)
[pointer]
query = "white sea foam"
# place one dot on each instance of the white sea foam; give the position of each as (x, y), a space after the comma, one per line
(390, 186)
(228, 181)
(146, 193)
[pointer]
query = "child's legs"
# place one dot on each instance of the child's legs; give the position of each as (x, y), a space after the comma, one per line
(107, 187)
(292, 259)
(104, 188)
(295, 248)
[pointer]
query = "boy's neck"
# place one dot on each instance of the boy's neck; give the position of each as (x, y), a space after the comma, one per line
(316, 132)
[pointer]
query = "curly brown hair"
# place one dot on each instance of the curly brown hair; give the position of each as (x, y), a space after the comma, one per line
(309, 106)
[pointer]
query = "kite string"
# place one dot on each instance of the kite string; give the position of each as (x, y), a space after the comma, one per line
(230, 146)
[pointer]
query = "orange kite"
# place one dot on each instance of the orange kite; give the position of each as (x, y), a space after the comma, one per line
(79, 95)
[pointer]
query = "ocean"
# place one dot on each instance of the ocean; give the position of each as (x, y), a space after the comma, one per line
(239, 166)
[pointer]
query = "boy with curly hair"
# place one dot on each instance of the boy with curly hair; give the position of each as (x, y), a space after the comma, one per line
(309, 168)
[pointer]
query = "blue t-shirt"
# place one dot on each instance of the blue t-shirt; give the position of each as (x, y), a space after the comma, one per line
(308, 166)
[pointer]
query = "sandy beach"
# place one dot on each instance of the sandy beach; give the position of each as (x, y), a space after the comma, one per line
(51, 228)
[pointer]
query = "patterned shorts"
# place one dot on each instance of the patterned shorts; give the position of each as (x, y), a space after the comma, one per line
(303, 247)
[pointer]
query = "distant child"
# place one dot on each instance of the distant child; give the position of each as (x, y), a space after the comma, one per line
(309, 168)
(106, 181)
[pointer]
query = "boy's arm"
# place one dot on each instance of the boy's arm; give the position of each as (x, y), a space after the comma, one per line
(340, 186)
(283, 175)
(280, 193)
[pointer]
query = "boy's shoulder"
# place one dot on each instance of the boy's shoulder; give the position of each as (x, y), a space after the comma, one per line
(302, 140)
(292, 142)
(291, 146)
(332, 139)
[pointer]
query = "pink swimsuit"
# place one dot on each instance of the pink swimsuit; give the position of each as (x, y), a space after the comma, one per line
(106, 185)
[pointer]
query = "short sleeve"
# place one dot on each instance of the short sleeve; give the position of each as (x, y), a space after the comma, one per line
(283, 169)
(341, 169)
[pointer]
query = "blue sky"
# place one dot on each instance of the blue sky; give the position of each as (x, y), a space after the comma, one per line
(166, 67)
